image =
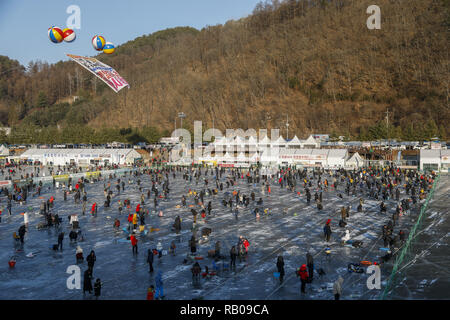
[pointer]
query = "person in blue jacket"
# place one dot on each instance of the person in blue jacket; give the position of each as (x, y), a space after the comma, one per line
(159, 294)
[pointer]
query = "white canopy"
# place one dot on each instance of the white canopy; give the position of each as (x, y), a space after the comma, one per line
(252, 141)
(239, 140)
(241, 157)
(280, 141)
(355, 161)
(4, 151)
(227, 157)
(294, 142)
(220, 141)
(264, 141)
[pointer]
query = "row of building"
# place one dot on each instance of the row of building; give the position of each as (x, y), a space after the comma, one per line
(327, 158)
(240, 151)
(81, 157)
(229, 151)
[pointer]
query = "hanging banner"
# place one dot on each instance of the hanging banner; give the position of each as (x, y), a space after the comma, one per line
(107, 74)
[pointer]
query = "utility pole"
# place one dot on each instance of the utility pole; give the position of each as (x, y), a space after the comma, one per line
(181, 115)
(287, 127)
(268, 118)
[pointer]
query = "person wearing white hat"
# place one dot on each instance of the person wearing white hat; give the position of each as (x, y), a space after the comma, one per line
(346, 237)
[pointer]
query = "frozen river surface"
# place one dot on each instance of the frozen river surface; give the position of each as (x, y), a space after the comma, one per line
(126, 276)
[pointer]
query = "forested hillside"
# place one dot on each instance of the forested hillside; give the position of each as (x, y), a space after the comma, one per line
(314, 60)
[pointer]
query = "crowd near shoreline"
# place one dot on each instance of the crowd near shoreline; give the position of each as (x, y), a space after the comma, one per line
(206, 196)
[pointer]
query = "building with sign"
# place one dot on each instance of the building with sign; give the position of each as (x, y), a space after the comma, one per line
(435, 159)
(81, 157)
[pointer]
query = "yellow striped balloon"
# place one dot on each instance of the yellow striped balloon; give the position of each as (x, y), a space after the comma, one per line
(55, 34)
(98, 42)
(109, 48)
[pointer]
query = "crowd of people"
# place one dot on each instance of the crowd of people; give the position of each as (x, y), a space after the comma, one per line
(203, 186)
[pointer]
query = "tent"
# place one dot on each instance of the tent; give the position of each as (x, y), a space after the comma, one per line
(264, 142)
(280, 142)
(242, 158)
(295, 143)
(310, 143)
(4, 151)
(355, 161)
(337, 157)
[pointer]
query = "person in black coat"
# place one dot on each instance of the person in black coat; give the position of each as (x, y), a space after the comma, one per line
(21, 232)
(87, 284)
(233, 255)
(192, 244)
(194, 215)
(60, 240)
(280, 267)
(327, 231)
(73, 235)
(91, 260)
(97, 288)
(150, 259)
(177, 225)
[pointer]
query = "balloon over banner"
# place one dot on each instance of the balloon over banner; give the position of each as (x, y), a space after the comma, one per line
(109, 48)
(69, 35)
(55, 34)
(98, 42)
(107, 74)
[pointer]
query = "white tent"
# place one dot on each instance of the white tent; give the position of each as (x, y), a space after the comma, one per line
(337, 157)
(240, 143)
(268, 157)
(355, 161)
(295, 143)
(254, 157)
(280, 142)
(310, 143)
(228, 157)
(319, 156)
(4, 151)
(264, 142)
(252, 141)
(252, 144)
(242, 158)
(220, 141)
(218, 156)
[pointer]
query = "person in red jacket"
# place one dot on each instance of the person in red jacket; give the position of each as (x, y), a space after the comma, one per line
(94, 208)
(134, 242)
(246, 245)
(303, 276)
(130, 222)
(150, 292)
(138, 208)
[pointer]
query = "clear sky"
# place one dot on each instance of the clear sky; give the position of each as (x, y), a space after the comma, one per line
(24, 23)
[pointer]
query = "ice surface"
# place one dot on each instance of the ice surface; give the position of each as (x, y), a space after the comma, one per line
(125, 276)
